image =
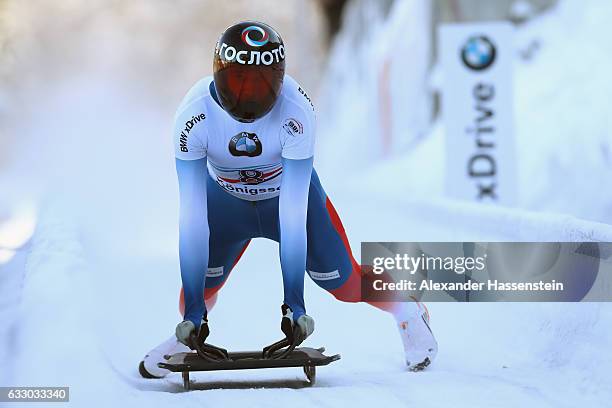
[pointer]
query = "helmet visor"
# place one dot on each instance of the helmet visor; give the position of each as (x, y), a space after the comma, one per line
(247, 92)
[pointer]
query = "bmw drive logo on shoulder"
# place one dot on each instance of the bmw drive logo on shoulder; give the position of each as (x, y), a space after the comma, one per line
(479, 53)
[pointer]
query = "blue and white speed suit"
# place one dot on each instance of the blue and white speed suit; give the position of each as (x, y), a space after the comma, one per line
(239, 181)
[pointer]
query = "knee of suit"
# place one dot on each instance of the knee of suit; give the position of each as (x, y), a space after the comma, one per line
(213, 283)
(210, 300)
(350, 289)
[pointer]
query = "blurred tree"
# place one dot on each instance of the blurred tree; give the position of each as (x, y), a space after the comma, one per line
(3, 33)
(3, 71)
(332, 10)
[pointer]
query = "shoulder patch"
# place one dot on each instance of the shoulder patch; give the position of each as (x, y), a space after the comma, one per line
(188, 126)
(293, 126)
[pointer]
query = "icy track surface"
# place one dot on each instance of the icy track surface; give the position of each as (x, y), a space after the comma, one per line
(97, 286)
(87, 317)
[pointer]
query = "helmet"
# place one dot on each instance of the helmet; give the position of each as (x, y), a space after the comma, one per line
(249, 67)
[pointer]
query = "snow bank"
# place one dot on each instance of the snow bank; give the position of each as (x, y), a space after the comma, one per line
(562, 110)
(512, 224)
(52, 336)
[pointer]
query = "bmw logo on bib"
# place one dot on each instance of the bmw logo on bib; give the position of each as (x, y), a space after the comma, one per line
(245, 144)
(479, 53)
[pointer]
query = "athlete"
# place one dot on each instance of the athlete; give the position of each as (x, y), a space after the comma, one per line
(244, 145)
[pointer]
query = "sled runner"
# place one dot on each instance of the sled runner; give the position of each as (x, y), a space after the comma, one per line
(305, 357)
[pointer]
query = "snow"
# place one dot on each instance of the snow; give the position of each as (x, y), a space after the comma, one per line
(94, 334)
(96, 286)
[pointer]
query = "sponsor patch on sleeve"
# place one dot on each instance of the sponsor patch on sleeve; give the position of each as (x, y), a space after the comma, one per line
(293, 126)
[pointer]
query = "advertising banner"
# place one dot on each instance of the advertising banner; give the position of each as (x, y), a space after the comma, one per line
(477, 106)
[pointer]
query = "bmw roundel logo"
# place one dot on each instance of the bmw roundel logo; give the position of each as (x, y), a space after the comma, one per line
(478, 53)
(245, 144)
(255, 40)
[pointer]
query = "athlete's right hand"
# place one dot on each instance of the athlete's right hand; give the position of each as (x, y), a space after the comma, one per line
(302, 328)
(195, 339)
(296, 330)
